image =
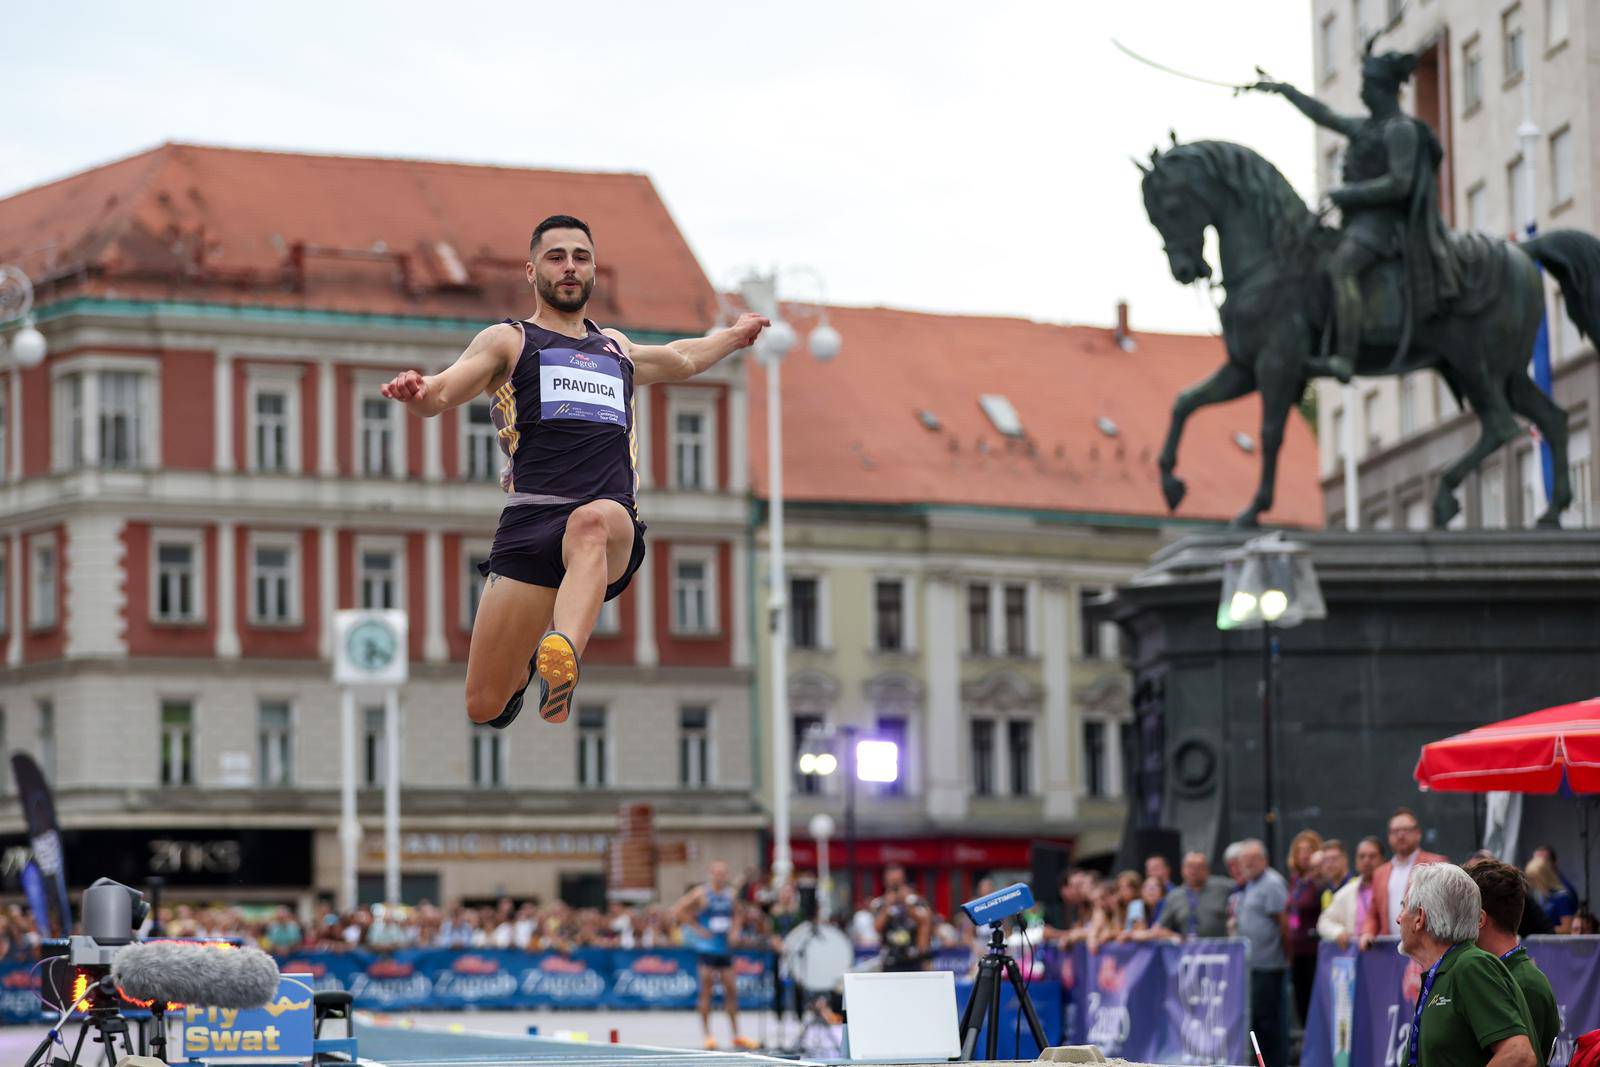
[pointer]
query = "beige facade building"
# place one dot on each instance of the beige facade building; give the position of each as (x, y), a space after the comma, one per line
(1487, 67)
(957, 489)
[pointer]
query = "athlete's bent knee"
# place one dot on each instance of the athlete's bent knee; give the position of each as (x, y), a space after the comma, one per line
(485, 703)
(587, 526)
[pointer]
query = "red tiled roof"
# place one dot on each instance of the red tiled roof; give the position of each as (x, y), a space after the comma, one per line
(346, 233)
(852, 431)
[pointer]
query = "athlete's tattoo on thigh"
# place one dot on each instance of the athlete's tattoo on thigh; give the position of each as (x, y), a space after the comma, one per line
(493, 577)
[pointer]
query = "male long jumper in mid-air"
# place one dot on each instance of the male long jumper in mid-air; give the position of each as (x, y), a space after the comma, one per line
(569, 536)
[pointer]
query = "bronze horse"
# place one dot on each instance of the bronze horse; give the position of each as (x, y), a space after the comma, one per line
(1273, 247)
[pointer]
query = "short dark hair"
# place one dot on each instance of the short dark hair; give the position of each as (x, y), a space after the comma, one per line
(1333, 844)
(1372, 840)
(1504, 891)
(558, 222)
(1408, 813)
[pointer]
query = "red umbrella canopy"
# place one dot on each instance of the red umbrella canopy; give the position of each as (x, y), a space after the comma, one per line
(1529, 754)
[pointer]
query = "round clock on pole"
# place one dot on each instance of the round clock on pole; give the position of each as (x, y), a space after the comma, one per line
(369, 648)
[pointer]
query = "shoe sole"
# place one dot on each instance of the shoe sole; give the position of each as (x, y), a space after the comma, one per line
(557, 667)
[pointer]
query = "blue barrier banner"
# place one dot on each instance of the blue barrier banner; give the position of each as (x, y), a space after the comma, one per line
(1207, 1002)
(1573, 966)
(1125, 1012)
(1331, 1027)
(1048, 1003)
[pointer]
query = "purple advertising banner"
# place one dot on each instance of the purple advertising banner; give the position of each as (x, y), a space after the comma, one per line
(1125, 987)
(1363, 1002)
(1207, 1002)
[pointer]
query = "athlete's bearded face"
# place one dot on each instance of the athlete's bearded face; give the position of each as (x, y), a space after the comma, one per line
(562, 269)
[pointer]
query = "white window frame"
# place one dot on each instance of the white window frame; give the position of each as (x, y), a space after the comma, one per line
(1512, 24)
(365, 387)
(609, 622)
(606, 764)
(88, 370)
(464, 436)
(195, 541)
(275, 378)
(495, 742)
(708, 763)
(1563, 176)
(692, 402)
(162, 701)
(1003, 752)
(470, 578)
(707, 555)
(908, 613)
(396, 547)
(290, 542)
(39, 544)
(293, 729)
(1557, 29)
(824, 631)
(1472, 61)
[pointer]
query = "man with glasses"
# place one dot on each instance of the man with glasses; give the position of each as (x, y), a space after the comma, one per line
(1389, 881)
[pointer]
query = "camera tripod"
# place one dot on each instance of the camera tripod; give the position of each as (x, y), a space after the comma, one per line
(104, 1016)
(985, 999)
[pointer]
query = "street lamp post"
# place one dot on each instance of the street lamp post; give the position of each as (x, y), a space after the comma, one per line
(866, 760)
(1270, 584)
(760, 293)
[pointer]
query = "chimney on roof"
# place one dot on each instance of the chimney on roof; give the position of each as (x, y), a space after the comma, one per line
(1123, 335)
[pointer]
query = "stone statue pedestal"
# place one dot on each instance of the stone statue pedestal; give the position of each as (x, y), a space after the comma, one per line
(1427, 634)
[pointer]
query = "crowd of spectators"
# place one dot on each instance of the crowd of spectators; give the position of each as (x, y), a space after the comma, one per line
(1323, 893)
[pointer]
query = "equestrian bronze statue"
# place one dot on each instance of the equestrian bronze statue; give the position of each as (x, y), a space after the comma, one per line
(1388, 291)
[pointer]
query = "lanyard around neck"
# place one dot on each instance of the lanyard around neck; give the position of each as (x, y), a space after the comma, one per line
(1422, 1001)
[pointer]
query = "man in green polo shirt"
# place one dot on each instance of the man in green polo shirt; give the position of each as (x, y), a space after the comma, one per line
(1505, 892)
(1469, 1010)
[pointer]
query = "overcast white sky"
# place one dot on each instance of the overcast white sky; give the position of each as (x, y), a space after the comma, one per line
(955, 156)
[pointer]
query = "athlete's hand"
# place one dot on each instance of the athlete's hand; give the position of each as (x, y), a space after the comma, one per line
(406, 386)
(749, 327)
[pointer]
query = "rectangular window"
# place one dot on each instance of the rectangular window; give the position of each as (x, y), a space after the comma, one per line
(689, 450)
(1478, 208)
(1328, 45)
(1515, 42)
(177, 596)
(1094, 758)
(591, 746)
(691, 596)
(804, 727)
(803, 618)
(482, 443)
(609, 621)
(488, 758)
(894, 728)
(71, 449)
(1091, 636)
(694, 746)
(1580, 469)
(1369, 421)
(377, 437)
(121, 419)
(274, 744)
(473, 583)
(1556, 22)
(271, 433)
(1416, 514)
(43, 611)
(889, 614)
(1561, 172)
(1019, 756)
(375, 760)
(47, 740)
(1338, 434)
(273, 585)
(379, 580)
(1016, 606)
(1492, 496)
(983, 757)
(1408, 405)
(978, 619)
(1472, 74)
(177, 743)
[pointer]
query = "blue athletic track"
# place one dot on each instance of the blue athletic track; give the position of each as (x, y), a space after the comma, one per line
(410, 1047)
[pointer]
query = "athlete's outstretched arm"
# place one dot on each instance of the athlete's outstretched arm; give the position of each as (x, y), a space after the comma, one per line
(684, 359)
(486, 360)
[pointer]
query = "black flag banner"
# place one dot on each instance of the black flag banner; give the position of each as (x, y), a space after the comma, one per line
(45, 838)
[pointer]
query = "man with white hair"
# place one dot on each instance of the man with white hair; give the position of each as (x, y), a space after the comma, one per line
(1260, 910)
(1469, 1010)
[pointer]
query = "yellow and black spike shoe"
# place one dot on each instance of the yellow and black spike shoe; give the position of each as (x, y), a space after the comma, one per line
(556, 663)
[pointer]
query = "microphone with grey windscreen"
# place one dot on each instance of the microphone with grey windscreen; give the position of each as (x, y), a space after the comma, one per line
(206, 975)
